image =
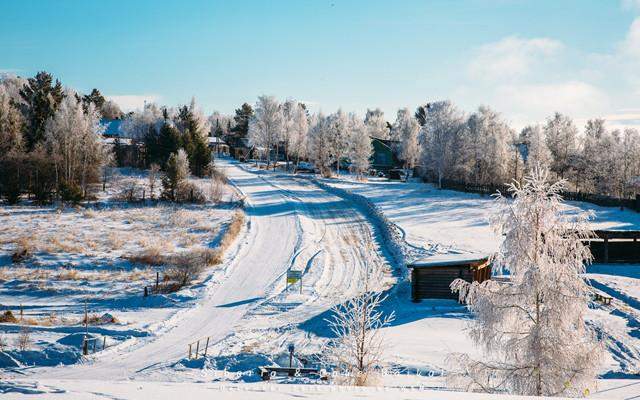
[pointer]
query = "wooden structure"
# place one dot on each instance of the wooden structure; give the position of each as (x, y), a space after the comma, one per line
(266, 373)
(615, 246)
(218, 146)
(384, 156)
(431, 277)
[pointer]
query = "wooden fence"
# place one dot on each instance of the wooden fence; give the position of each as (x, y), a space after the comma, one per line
(597, 199)
(194, 348)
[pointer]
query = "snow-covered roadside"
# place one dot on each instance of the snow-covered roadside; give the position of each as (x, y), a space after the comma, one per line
(453, 221)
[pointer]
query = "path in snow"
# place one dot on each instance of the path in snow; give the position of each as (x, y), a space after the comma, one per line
(291, 223)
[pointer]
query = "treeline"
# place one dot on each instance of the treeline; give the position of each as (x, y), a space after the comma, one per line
(482, 149)
(50, 139)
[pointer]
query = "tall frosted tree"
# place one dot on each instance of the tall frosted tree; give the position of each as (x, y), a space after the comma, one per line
(73, 138)
(40, 100)
(359, 147)
(405, 130)
(489, 139)
(339, 138)
(561, 133)
(320, 144)
(296, 128)
(537, 151)
(443, 140)
(376, 124)
(532, 329)
(266, 125)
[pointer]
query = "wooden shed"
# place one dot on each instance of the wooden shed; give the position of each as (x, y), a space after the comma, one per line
(431, 276)
(609, 246)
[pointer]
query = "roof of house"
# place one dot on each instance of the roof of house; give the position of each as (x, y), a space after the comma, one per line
(445, 260)
(216, 140)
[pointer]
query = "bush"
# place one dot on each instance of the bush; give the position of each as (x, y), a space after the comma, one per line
(8, 317)
(185, 267)
(70, 192)
(24, 250)
(188, 192)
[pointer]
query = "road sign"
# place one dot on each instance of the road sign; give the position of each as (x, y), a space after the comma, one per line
(293, 277)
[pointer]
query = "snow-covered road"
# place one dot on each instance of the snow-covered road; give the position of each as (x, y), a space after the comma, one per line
(291, 223)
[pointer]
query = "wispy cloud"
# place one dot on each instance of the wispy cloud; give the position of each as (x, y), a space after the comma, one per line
(130, 102)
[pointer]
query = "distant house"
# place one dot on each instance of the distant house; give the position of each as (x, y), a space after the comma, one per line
(127, 152)
(239, 147)
(384, 155)
(218, 146)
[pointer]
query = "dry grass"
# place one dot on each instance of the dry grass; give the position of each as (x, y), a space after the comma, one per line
(24, 249)
(233, 230)
(8, 318)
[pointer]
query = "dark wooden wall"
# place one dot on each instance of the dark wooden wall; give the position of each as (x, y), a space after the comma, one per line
(433, 283)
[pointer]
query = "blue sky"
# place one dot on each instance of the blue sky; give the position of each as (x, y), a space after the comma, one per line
(524, 58)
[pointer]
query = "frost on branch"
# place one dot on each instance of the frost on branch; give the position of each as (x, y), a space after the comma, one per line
(532, 328)
(359, 344)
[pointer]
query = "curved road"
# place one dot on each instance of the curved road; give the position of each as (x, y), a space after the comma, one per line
(291, 222)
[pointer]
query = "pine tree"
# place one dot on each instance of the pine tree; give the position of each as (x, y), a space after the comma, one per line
(41, 99)
(242, 117)
(176, 172)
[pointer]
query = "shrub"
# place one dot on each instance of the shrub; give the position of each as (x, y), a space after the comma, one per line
(23, 341)
(149, 256)
(70, 191)
(8, 317)
(188, 192)
(24, 250)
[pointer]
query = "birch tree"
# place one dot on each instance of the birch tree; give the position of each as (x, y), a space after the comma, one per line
(488, 141)
(320, 145)
(442, 136)
(376, 124)
(339, 136)
(295, 129)
(405, 130)
(560, 133)
(532, 329)
(73, 138)
(537, 151)
(266, 125)
(359, 148)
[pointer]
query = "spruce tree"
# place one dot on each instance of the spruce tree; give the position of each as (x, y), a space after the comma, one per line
(41, 99)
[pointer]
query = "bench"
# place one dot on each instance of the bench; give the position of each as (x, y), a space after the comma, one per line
(267, 373)
(603, 299)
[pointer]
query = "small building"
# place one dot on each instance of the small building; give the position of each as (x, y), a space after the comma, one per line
(218, 146)
(384, 156)
(610, 246)
(431, 277)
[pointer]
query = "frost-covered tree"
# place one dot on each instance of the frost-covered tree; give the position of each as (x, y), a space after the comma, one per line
(532, 328)
(111, 110)
(138, 124)
(536, 147)
(405, 129)
(489, 143)
(11, 123)
(357, 351)
(266, 125)
(560, 134)
(73, 138)
(296, 128)
(194, 129)
(629, 158)
(320, 144)
(339, 138)
(377, 126)
(359, 147)
(221, 125)
(443, 140)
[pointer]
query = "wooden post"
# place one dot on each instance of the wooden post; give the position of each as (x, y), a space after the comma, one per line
(143, 194)
(206, 346)
(146, 291)
(157, 280)
(300, 284)
(104, 342)
(189, 351)
(414, 278)
(197, 348)
(21, 312)
(85, 346)
(606, 249)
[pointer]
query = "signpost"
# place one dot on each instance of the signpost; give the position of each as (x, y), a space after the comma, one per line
(293, 277)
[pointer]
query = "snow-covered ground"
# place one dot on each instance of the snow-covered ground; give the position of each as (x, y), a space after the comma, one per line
(249, 316)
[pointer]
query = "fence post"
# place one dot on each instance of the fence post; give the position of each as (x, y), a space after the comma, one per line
(146, 291)
(189, 351)
(85, 346)
(206, 346)
(157, 280)
(104, 342)
(197, 348)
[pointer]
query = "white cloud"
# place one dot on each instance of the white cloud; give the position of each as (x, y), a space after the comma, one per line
(631, 44)
(512, 57)
(130, 102)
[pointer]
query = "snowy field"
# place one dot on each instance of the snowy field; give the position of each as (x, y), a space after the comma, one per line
(449, 221)
(98, 255)
(244, 308)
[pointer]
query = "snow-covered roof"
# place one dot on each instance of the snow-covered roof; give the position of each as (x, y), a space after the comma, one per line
(444, 260)
(112, 140)
(215, 140)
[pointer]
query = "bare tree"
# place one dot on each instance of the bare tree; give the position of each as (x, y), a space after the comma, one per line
(265, 127)
(154, 171)
(532, 328)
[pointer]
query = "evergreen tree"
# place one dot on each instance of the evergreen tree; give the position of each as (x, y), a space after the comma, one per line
(94, 97)
(176, 172)
(168, 142)
(41, 99)
(242, 117)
